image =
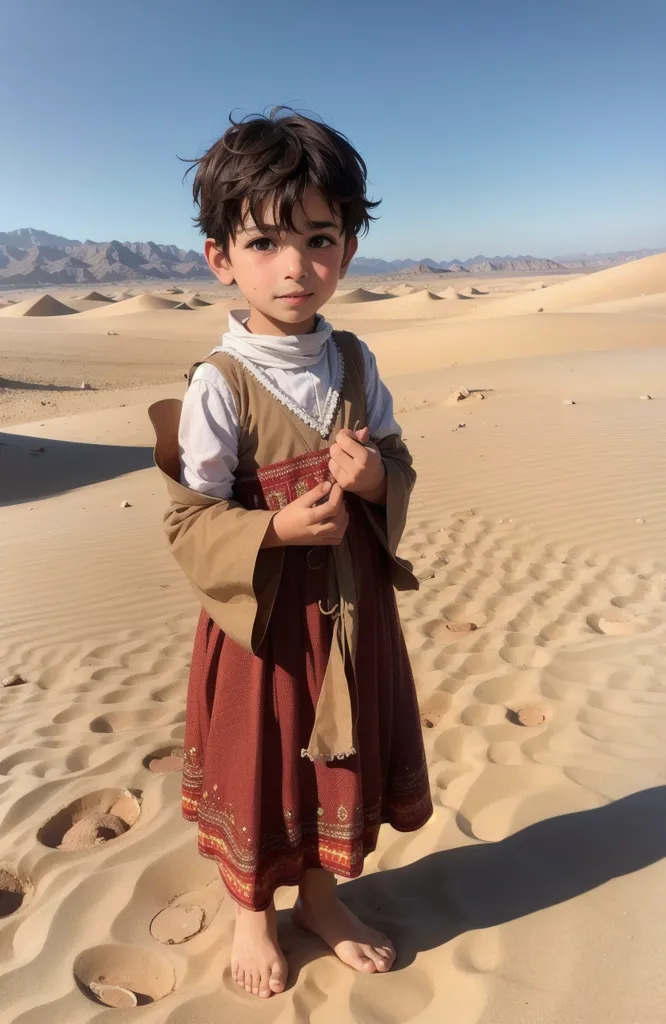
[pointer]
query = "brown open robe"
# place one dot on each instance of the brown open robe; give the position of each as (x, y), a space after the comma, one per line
(273, 678)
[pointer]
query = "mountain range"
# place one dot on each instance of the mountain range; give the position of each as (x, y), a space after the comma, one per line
(31, 257)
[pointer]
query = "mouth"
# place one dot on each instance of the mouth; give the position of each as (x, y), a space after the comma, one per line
(295, 298)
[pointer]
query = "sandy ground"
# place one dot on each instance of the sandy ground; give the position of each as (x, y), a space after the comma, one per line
(537, 893)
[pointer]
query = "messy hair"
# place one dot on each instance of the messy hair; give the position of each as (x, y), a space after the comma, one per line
(277, 157)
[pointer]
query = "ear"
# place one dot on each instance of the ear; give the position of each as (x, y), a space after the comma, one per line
(218, 263)
(350, 252)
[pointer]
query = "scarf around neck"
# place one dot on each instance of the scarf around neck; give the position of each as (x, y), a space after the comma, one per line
(272, 351)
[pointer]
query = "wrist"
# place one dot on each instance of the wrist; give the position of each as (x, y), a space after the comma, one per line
(273, 537)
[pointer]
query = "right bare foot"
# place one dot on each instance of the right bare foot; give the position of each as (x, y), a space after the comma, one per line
(257, 963)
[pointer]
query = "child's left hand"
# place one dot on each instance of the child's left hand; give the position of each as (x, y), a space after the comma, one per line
(357, 465)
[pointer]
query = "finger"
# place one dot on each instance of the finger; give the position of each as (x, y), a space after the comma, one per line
(363, 435)
(316, 494)
(329, 508)
(351, 447)
(340, 475)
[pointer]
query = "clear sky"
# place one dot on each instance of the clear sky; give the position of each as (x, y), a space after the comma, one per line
(488, 127)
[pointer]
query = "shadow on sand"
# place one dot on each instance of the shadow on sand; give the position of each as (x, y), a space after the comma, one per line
(428, 903)
(35, 467)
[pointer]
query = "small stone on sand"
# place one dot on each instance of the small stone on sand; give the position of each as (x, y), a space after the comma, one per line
(125, 504)
(568, 401)
(640, 522)
(14, 680)
(531, 716)
(93, 829)
(177, 923)
(113, 995)
(461, 627)
(646, 398)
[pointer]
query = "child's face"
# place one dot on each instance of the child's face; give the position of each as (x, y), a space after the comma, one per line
(286, 278)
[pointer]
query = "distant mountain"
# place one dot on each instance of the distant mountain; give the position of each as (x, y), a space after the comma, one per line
(30, 257)
(485, 264)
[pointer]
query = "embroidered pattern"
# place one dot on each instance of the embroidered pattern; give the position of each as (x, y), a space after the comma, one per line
(329, 412)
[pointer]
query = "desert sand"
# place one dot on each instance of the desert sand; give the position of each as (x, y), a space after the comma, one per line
(537, 892)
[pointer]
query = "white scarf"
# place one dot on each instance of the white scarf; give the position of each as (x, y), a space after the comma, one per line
(271, 351)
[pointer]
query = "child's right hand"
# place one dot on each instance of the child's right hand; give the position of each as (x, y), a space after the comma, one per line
(304, 523)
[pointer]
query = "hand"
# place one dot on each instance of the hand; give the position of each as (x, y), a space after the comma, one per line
(304, 523)
(357, 466)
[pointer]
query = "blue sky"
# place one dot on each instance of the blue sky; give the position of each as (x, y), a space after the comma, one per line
(515, 127)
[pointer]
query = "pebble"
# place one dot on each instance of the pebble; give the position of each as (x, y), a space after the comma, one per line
(14, 680)
(568, 401)
(646, 398)
(640, 521)
(85, 386)
(461, 627)
(125, 504)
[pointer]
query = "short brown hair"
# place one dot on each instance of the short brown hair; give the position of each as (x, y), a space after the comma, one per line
(278, 155)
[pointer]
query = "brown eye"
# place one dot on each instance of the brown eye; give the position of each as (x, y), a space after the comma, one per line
(259, 244)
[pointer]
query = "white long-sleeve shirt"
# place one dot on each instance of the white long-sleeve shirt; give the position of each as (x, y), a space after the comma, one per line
(209, 426)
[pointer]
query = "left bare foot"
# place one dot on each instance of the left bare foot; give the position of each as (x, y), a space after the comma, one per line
(352, 941)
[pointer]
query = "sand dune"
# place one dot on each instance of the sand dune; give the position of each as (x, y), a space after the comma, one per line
(45, 305)
(95, 297)
(641, 305)
(356, 295)
(629, 281)
(144, 302)
(541, 523)
(451, 293)
(405, 289)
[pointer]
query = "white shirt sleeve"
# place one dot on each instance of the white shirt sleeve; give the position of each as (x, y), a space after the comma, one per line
(378, 399)
(208, 434)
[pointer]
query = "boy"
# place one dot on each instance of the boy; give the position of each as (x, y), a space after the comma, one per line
(289, 486)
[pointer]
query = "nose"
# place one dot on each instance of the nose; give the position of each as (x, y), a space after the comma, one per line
(295, 264)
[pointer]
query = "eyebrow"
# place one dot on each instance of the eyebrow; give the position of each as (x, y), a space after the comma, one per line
(313, 225)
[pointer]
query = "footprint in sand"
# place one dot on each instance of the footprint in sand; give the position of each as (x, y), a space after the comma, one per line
(91, 821)
(187, 915)
(615, 622)
(437, 705)
(165, 760)
(124, 976)
(15, 892)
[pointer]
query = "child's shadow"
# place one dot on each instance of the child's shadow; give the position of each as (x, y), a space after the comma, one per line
(430, 902)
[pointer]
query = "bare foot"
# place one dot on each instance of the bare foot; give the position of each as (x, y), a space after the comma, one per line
(257, 963)
(320, 911)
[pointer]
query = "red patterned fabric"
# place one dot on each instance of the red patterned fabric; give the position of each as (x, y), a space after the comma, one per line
(265, 813)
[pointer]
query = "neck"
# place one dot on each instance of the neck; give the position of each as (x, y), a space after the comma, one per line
(260, 323)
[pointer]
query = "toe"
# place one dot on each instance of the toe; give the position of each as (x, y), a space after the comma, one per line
(379, 960)
(264, 991)
(276, 981)
(256, 981)
(383, 960)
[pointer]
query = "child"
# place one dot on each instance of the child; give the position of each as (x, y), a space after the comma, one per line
(289, 485)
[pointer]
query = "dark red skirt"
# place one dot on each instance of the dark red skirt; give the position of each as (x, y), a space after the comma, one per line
(265, 813)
